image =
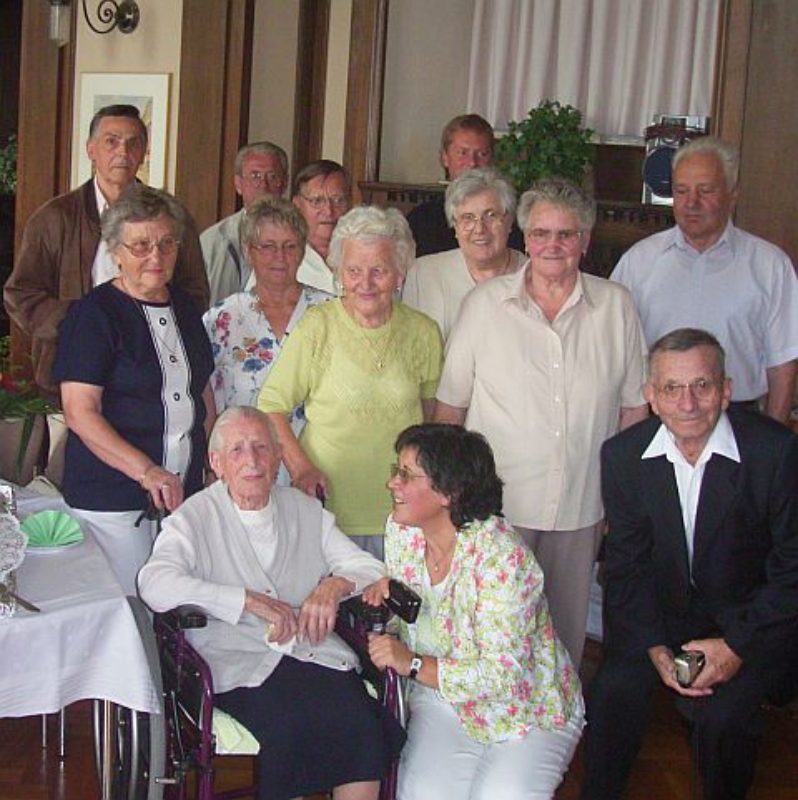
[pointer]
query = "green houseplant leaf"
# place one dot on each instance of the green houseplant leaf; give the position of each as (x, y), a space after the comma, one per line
(550, 141)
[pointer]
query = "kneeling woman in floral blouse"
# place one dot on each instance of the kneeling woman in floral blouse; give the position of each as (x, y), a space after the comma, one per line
(496, 708)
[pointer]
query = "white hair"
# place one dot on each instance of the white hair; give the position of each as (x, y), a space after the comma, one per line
(367, 223)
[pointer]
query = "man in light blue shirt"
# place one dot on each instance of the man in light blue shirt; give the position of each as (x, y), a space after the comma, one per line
(707, 273)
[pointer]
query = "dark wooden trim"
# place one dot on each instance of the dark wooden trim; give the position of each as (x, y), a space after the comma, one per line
(365, 91)
(311, 81)
(215, 66)
(44, 133)
(46, 79)
(238, 79)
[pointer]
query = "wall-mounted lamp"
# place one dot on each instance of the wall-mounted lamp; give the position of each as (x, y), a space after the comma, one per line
(111, 14)
(59, 22)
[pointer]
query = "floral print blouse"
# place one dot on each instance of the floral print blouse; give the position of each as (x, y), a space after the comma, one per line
(245, 346)
(504, 669)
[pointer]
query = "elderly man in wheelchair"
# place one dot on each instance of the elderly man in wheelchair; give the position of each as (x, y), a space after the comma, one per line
(269, 567)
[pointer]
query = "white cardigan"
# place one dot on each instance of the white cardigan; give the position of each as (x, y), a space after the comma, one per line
(203, 557)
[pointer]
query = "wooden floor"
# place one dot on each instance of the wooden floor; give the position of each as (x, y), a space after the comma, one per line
(663, 770)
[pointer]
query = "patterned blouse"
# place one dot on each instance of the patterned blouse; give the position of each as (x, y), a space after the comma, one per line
(245, 346)
(505, 671)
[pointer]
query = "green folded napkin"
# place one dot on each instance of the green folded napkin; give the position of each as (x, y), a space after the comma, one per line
(51, 529)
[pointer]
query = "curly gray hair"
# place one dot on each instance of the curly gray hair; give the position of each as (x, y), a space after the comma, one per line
(275, 211)
(561, 193)
(367, 223)
(140, 203)
(475, 181)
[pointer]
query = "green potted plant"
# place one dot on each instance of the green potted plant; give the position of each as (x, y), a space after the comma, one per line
(550, 141)
(22, 421)
(8, 166)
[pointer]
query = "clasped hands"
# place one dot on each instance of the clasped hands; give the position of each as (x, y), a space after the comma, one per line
(315, 619)
(722, 664)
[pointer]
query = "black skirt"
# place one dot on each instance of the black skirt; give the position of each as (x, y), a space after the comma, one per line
(318, 728)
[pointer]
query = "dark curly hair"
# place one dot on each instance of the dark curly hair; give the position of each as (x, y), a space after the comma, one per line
(460, 465)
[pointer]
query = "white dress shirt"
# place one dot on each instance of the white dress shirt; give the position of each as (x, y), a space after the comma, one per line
(688, 476)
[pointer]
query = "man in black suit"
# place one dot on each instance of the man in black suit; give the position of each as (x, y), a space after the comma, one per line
(701, 555)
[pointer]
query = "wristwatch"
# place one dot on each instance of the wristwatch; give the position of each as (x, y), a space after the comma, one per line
(416, 664)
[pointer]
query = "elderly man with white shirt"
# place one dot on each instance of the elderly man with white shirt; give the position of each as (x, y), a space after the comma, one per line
(701, 556)
(707, 273)
(269, 566)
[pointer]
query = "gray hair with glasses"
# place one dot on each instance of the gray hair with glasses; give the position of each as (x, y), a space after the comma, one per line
(681, 340)
(275, 211)
(140, 203)
(561, 193)
(261, 149)
(473, 182)
(727, 155)
(368, 223)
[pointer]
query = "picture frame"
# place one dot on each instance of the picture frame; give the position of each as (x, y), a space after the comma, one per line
(149, 92)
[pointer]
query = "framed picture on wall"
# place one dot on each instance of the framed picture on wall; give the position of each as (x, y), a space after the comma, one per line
(150, 94)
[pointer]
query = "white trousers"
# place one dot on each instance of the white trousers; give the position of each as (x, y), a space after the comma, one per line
(441, 762)
(125, 546)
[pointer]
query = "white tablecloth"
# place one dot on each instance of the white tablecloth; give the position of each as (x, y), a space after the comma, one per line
(83, 644)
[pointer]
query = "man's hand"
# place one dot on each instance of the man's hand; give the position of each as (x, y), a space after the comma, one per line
(279, 614)
(662, 659)
(722, 662)
(318, 612)
(375, 594)
(387, 651)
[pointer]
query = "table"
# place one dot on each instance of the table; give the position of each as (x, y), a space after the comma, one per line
(84, 644)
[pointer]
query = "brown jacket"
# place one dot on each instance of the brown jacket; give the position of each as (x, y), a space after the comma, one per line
(53, 269)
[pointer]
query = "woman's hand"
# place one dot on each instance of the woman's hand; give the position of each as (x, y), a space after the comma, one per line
(375, 594)
(279, 614)
(320, 609)
(388, 651)
(308, 479)
(164, 487)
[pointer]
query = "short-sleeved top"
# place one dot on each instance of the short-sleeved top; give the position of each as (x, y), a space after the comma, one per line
(546, 394)
(437, 284)
(742, 289)
(245, 346)
(153, 361)
(354, 407)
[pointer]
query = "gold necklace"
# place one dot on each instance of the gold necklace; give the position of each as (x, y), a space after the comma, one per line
(379, 354)
(436, 562)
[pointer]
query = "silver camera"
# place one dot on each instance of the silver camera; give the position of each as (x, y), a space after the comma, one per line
(689, 664)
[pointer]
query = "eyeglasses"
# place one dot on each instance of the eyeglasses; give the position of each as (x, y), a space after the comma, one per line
(567, 236)
(403, 474)
(257, 178)
(141, 248)
(288, 249)
(319, 201)
(700, 389)
(488, 218)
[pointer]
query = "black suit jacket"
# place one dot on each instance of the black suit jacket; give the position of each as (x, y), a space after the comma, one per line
(745, 562)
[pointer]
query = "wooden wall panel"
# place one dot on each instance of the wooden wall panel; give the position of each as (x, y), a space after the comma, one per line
(215, 64)
(311, 82)
(365, 91)
(46, 79)
(769, 169)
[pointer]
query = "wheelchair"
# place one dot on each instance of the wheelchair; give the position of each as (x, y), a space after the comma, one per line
(163, 758)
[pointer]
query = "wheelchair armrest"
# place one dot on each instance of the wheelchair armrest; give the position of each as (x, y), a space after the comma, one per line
(186, 617)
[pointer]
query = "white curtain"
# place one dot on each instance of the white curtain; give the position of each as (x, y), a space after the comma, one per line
(618, 61)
